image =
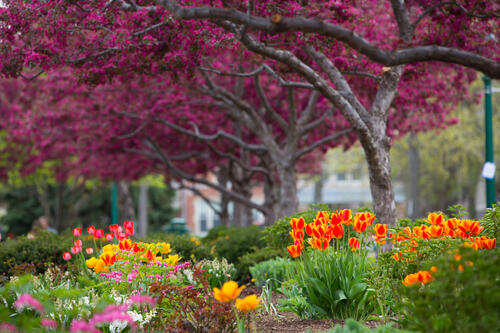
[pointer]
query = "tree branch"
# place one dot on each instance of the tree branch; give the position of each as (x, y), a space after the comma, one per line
(401, 15)
(357, 42)
(267, 106)
(308, 111)
(181, 174)
(324, 140)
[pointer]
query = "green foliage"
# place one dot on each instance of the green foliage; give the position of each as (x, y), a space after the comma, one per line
(250, 259)
(407, 222)
(217, 271)
(270, 272)
(189, 248)
(23, 209)
(491, 222)
(457, 211)
(233, 243)
(44, 249)
(352, 326)
(277, 235)
(335, 283)
(464, 295)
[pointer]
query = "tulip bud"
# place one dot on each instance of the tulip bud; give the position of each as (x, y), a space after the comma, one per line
(77, 232)
(78, 243)
(91, 230)
(109, 237)
(99, 233)
(66, 256)
(76, 249)
(89, 250)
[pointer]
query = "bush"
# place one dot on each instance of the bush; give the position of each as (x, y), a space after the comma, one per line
(270, 272)
(352, 326)
(44, 249)
(188, 247)
(246, 261)
(233, 243)
(463, 296)
(491, 221)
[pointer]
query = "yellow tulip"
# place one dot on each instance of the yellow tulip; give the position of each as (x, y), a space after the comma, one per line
(100, 267)
(110, 248)
(228, 292)
(91, 262)
(248, 303)
(172, 259)
(164, 247)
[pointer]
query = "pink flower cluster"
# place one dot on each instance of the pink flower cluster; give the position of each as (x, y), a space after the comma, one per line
(113, 277)
(28, 301)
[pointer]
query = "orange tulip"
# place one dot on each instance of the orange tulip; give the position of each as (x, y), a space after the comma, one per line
(228, 292)
(336, 231)
(297, 224)
(248, 303)
(421, 276)
(125, 244)
(319, 231)
(294, 250)
(321, 244)
(435, 231)
(468, 228)
(381, 230)
(489, 243)
(309, 229)
(359, 225)
(435, 219)
(108, 258)
(396, 256)
(354, 243)
(297, 234)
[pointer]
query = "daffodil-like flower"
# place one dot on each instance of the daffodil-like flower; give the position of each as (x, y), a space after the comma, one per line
(248, 303)
(91, 262)
(228, 292)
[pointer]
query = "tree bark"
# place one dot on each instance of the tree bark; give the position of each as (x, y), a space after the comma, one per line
(414, 160)
(143, 210)
(318, 187)
(126, 203)
(289, 201)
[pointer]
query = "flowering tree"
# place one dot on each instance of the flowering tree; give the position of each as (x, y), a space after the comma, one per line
(329, 45)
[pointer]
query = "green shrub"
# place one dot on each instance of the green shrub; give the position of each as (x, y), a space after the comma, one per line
(335, 283)
(217, 271)
(464, 295)
(233, 243)
(352, 326)
(188, 247)
(246, 261)
(270, 272)
(44, 249)
(491, 222)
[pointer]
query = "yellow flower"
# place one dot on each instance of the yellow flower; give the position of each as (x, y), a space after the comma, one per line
(172, 259)
(248, 303)
(100, 267)
(195, 241)
(164, 247)
(91, 262)
(110, 248)
(228, 292)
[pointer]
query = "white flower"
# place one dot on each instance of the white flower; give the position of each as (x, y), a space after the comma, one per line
(117, 326)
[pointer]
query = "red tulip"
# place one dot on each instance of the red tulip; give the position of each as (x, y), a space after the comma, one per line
(99, 233)
(294, 250)
(113, 227)
(109, 237)
(78, 243)
(91, 230)
(76, 249)
(128, 224)
(77, 232)
(354, 243)
(66, 256)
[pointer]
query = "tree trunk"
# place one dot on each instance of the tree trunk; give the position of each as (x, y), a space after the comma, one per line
(289, 202)
(318, 187)
(222, 179)
(143, 210)
(125, 201)
(379, 169)
(242, 214)
(414, 159)
(59, 206)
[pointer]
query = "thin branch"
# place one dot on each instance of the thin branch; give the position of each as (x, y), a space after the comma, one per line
(231, 157)
(181, 174)
(308, 111)
(134, 132)
(272, 113)
(30, 78)
(315, 123)
(193, 189)
(148, 29)
(315, 145)
(262, 68)
(92, 56)
(401, 15)
(292, 109)
(356, 73)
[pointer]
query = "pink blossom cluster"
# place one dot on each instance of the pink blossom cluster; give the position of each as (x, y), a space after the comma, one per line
(113, 277)
(28, 301)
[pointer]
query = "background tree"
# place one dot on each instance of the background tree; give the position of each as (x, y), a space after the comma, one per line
(319, 41)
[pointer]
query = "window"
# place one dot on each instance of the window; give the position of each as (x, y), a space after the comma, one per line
(341, 176)
(203, 222)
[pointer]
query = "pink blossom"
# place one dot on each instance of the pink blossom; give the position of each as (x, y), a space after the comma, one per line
(49, 323)
(6, 327)
(28, 301)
